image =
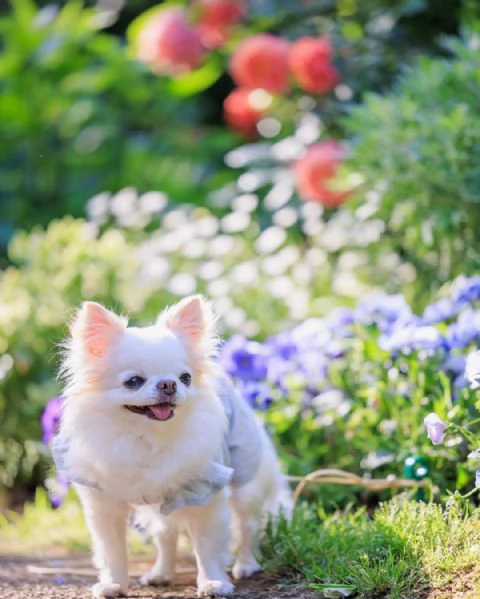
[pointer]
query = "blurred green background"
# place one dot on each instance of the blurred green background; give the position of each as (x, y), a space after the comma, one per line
(126, 187)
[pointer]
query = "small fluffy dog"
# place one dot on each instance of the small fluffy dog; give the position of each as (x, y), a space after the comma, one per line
(151, 423)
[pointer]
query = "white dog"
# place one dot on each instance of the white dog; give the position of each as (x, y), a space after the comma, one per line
(151, 423)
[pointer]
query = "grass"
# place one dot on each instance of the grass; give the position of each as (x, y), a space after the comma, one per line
(39, 529)
(401, 551)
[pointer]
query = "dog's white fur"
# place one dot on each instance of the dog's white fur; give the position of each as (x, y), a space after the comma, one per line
(135, 459)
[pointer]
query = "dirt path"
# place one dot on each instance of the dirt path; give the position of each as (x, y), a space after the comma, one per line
(69, 578)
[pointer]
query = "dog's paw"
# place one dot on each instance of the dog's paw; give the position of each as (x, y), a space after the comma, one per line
(215, 588)
(244, 569)
(155, 579)
(102, 590)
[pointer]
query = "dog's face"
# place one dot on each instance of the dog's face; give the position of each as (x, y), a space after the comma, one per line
(148, 372)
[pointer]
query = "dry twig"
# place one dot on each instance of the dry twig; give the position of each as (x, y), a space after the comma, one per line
(341, 477)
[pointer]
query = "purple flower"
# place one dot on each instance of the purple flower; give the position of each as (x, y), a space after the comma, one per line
(57, 489)
(462, 333)
(340, 318)
(477, 478)
(466, 290)
(335, 350)
(439, 311)
(313, 333)
(278, 371)
(435, 428)
(409, 338)
(258, 395)
(243, 359)
(50, 419)
(383, 310)
(454, 364)
(460, 382)
(314, 368)
(282, 346)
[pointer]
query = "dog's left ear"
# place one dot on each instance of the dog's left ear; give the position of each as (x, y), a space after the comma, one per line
(192, 318)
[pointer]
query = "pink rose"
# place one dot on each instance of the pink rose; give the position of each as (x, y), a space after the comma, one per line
(310, 61)
(261, 61)
(241, 112)
(315, 172)
(169, 44)
(216, 19)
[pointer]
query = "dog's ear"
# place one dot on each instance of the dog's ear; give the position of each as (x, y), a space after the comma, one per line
(192, 318)
(96, 328)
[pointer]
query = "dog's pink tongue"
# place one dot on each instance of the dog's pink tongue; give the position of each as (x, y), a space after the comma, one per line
(161, 411)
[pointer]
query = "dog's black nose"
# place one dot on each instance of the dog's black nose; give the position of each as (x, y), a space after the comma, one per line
(168, 387)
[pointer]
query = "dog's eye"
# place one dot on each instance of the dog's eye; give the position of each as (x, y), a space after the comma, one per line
(134, 382)
(186, 378)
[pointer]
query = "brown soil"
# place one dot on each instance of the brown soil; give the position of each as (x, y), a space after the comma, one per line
(69, 578)
(464, 586)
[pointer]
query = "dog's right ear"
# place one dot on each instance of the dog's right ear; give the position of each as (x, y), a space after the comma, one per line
(96, 328)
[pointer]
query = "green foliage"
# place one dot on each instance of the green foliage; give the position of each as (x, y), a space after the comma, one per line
(39, 528)
(419, 145)
(368, 418)
(403, 548)
(79, 117)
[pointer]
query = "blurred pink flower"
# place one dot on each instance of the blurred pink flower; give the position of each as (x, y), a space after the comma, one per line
(315, 172)
(261, 61)
(435, 428)
(242, 112)
(216, 19)
(169, 44)
(310, 62)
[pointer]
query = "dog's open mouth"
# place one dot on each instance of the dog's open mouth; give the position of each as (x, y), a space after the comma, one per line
(158, 411)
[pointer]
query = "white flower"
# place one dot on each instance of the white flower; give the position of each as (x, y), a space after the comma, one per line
(472, 369)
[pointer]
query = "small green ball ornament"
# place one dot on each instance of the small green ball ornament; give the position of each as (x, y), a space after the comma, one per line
(416, 467)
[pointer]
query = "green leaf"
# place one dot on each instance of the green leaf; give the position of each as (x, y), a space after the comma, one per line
(352, 31)
(463, 477)
(24, 11)
(196, 81)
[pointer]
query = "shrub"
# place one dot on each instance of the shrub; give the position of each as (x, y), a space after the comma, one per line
(420, 146)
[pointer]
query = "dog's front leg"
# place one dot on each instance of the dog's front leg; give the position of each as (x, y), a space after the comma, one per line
(107, 521)
(209, 527)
